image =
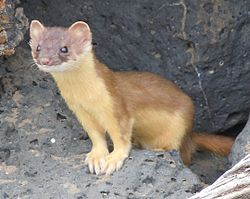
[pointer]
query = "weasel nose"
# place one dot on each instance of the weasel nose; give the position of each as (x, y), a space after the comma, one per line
(45, 61)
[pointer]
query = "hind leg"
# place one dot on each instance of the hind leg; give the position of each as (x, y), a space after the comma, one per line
(185, 146)
(187, 149)
(160, 130)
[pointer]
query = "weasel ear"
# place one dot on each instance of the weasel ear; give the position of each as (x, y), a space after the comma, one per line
(36, 28)
(80, 31)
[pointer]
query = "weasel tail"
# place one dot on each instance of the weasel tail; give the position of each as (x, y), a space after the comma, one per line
(133, 108)
(217, 144)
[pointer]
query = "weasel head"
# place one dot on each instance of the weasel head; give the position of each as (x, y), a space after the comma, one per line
(56, 49)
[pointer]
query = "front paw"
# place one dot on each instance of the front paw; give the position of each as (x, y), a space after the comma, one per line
(113, 162)
(96, 160)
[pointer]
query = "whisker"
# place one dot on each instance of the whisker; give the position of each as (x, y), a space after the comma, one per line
(31, 64)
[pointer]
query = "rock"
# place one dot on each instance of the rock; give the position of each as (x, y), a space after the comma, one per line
(13, 25)
(144, 175)
(241, 147)
(201, 46)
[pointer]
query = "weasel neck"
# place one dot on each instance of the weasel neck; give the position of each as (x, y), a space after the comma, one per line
(85, 68)
(86, 80)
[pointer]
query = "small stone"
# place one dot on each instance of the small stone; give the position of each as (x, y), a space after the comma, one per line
(221, 63)
(53, 140)
(157, 56)
(211, 72)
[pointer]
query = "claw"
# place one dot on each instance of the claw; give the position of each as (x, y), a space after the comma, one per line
(102, 164)
(110, 170)
(114, 162)
(97, 170)
(95, 160)
(91, 168)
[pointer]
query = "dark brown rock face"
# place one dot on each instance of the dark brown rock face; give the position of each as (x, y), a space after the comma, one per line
(13, 25)
(201, 45)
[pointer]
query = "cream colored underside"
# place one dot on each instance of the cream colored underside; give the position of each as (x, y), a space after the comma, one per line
(83, 90)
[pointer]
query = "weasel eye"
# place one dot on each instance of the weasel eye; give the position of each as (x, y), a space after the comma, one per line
(38, 48)
(64, 49)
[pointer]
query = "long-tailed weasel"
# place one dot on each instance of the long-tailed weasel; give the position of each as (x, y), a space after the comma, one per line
(132, 107)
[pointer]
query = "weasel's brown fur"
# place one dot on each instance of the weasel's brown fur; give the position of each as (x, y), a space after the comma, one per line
(132, 107)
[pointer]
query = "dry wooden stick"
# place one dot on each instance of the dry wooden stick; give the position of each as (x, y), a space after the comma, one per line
(234, 183)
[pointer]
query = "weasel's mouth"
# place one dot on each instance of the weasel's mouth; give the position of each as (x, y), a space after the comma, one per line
(59, 67)
(55, 68)
(47, 68)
